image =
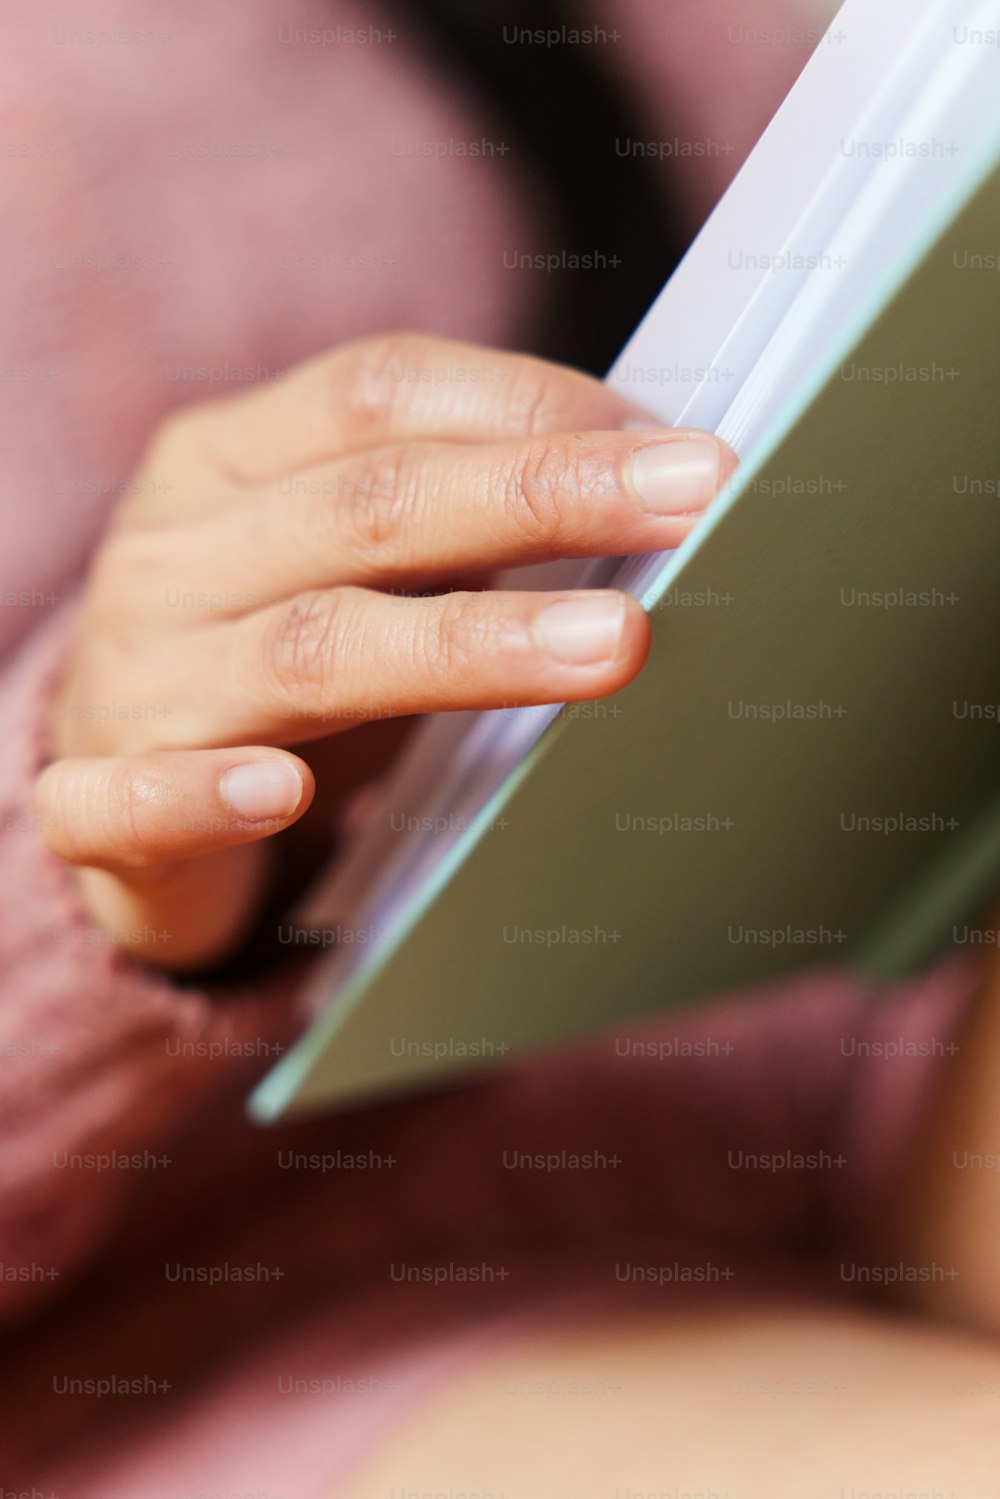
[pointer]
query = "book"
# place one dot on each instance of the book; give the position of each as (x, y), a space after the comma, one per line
(806, 771)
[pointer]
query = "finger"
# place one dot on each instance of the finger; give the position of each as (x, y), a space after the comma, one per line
(136, 814)
(169, 845)
(392, 389)
(329, 660)
(414, 514)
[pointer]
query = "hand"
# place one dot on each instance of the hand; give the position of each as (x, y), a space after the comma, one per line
(254, 592)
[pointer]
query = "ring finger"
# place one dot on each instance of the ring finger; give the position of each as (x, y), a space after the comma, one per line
(329, 660)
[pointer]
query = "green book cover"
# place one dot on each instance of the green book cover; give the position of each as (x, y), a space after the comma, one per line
(806, 771)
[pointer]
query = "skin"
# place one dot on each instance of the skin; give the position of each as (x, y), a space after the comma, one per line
(773, 1401)
(849, 1400)
(298, 519)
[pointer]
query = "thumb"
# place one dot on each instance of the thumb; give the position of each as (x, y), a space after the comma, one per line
(161, 840)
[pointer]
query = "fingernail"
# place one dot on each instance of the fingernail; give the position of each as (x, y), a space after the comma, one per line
(584, 631)
(262, 789)
(675, 478)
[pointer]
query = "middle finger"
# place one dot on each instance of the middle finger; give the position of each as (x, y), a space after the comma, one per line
(411, 515)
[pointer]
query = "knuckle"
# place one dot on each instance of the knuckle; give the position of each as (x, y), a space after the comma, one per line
(536, 483)
(367, 377)
(137, 797)
(535, 398)
(303, 645)
(458, 631)
(381, 505)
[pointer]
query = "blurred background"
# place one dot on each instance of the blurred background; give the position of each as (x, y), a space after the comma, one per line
(624, 141)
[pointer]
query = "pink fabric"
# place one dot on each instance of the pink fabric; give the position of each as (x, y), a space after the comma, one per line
(95, 162)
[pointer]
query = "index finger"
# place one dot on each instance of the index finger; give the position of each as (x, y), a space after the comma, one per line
(400, 387)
